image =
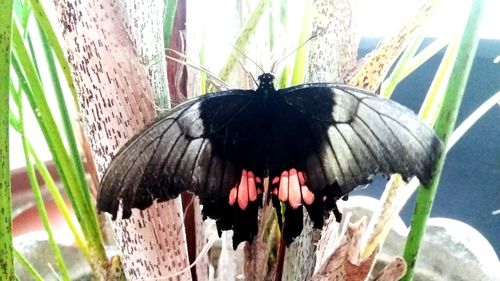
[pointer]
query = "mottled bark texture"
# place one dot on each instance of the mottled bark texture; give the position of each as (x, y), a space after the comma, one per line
(144, 22)
(116, 98)
(333, 51)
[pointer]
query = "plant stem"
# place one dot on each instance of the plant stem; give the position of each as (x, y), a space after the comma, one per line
(76, 190)
(37, 194)
(28, 266)
(444, 127)
(6, 255)
(280, 259)
(168, 20)
(51, 185)
(49, 32)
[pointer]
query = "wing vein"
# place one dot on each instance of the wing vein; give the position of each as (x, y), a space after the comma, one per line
(381, 143)
(337, 160)
(402, 125)
(370, 150)
(351, 151)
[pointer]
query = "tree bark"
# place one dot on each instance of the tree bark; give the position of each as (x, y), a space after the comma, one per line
(116, 98)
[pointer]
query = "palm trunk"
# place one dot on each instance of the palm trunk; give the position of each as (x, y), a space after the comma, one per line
(118, 65)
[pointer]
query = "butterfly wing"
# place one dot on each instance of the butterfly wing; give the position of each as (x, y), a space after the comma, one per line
(340, 136)
(336, 135)
(175, 154)
(355, 134)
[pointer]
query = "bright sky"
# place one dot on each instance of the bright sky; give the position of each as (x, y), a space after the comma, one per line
(381, 18)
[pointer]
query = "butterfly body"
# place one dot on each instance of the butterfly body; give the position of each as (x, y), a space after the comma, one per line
(315, 143)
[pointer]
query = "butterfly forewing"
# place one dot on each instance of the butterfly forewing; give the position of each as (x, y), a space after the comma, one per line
(174, 154)
(358, 134)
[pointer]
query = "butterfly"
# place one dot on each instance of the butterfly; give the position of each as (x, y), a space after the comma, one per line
(305, 146)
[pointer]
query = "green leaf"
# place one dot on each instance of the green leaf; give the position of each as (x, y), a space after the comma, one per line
(44, 22)
(6, 255)
(444, 127)
(28, 266)
(242, 40)
(71, 178)
(168, 21)
(54, 191)
(39, 202)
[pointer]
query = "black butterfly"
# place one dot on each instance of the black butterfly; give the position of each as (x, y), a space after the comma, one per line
(314, 142)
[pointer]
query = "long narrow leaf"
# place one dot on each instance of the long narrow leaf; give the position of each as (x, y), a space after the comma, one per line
(444, 127)
(66, 121)
(409, 63)
(51, 186)
(39, 202)
(390, 84)
(168, 20)
(434, 98)
(44, 22)
(424, 56)
(28, 266)
(6, 256)
(33, 90)
(84, 209)
(242, 40)
(473, 118)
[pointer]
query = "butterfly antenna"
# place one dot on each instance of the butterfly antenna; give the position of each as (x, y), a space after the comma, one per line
(247, 71)
(221, 83)
(247, 57)
(275, 64)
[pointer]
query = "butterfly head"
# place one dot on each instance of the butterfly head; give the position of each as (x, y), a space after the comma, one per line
(266, 82)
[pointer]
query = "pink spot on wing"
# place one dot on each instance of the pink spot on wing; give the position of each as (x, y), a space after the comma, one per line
(307, 195)
(294, 194)
(302, 178)
(290, 187)
(275, 180)
(232, 195)
(283, 189)
(258, 180)
(243, 191)
(252, 188)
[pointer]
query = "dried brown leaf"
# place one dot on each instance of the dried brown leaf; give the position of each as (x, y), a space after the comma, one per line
(343, 264)
(373, 69)
(393, 271)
